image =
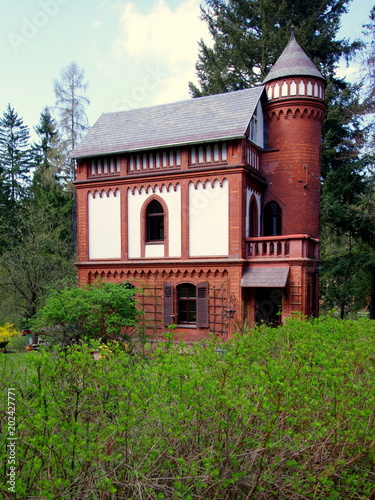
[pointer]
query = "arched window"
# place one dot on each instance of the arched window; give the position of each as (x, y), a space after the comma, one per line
(272, 219)
(155, 222)
(253, 218)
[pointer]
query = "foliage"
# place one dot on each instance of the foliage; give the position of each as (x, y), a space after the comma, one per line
(99, 311)
(39, 257)
(283, 413)
(7, 331)
(248, 36)
(18, 343)
(15, 158)
(48, 153)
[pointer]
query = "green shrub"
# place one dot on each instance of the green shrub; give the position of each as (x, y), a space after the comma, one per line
(18, 343)
(283, 413)
(101, 311)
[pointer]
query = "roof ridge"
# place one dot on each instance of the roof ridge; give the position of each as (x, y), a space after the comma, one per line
(183, 101)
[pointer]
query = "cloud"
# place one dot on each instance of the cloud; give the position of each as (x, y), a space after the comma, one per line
(164, 36)
(349, 72)
(96, 24)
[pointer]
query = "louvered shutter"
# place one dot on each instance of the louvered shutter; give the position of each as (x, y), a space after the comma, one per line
(168, 304)
(202, 305)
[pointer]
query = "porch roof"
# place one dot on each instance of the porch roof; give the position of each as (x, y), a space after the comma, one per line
(265, 277)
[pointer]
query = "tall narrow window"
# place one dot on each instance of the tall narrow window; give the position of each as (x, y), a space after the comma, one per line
(187, 303)
(155, 222)
(272, 219)
(253, 218)
(216, 152)
(224, 152)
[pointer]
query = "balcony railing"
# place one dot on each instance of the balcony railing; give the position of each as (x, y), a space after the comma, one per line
(296, 246)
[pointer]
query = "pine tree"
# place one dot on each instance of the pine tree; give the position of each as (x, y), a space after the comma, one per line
(249, 35)
(15, 156)
(48, 153)
(47, 192)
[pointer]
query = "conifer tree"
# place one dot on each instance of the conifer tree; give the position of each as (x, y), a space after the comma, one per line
(48, 153)
(15, 156)
(47, 191)
(248, 36)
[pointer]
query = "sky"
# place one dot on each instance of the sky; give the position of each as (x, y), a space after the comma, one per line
(134, 54)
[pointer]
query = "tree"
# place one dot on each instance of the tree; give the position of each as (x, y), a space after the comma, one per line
(46, 154)
(248, 36)
(37, 259)
(348, 209)
(15, 157)
(71, 100)
(101, 311)
(46, 190)
(70, 92)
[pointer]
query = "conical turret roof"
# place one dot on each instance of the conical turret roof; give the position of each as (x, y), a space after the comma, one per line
(293, 62)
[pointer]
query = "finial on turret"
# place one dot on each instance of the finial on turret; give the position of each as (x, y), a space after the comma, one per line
(292, 35)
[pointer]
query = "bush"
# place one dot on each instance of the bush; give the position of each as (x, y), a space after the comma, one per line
(7, 331)
(283, 413)
(18, 342)
(101, 311)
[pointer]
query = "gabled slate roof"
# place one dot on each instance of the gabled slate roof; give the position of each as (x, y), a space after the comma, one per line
(293, 61)
(215, 117)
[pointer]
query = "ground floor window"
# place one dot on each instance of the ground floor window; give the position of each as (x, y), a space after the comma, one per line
(186, 304)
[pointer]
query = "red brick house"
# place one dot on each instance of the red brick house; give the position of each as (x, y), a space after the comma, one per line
(211, 205)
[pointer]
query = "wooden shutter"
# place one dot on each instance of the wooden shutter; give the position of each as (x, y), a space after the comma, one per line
(202, 305)
(168, 304)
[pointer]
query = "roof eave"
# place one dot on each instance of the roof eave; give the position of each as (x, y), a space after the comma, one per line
(155, 146)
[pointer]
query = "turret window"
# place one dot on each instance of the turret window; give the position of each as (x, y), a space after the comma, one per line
(272, 219)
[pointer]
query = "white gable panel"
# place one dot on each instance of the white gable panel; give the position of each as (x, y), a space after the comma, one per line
(136, 199)
(208, 219)
(174, 210)
(135, 202)
(104, 225)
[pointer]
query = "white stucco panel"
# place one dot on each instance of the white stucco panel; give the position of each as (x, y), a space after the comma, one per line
(209, 219)
(136, 199)
(104, 210)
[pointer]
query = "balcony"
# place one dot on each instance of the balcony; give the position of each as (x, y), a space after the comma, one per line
(295, 246)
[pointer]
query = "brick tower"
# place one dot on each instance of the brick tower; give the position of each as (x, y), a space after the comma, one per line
(293, 118)
(294, 114)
